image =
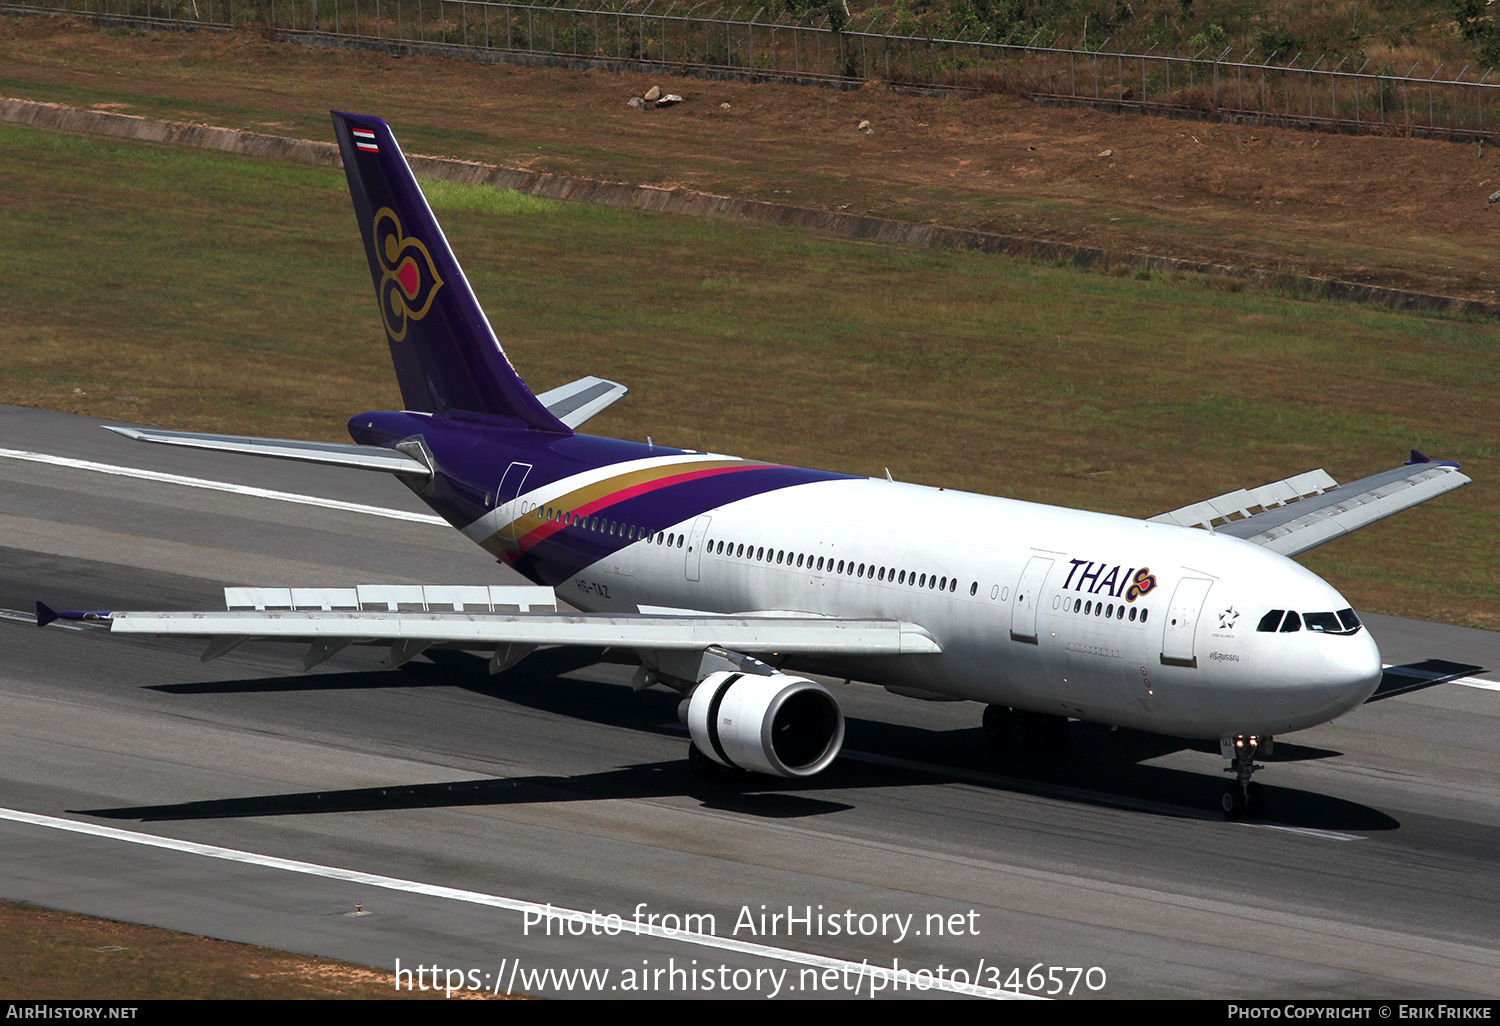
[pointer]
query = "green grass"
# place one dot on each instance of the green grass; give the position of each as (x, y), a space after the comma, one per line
(223, 293)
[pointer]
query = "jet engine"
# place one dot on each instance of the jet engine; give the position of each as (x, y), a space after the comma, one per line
(778, 724)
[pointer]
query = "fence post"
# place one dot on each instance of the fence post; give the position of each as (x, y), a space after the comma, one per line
(1286, 84)
(1264, 103)
(1454, 117)
(1479, 100)
(1431, 117)
(1357, 119)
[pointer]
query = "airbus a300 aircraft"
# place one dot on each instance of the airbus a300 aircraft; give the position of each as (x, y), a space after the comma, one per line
(725, 575)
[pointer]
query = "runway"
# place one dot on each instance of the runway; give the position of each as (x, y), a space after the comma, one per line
(442, 800)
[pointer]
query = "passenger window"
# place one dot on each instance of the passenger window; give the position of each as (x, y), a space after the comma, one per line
(1132, 614)
(1293, 622)
(1271, 620)
(1143, 615)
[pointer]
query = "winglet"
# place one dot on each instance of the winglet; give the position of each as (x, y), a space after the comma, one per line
(45, 614)
(1418, 458)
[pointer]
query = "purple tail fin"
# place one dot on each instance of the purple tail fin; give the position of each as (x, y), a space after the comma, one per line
(446, 354)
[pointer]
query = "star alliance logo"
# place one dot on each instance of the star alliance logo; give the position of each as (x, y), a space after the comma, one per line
(1227, 618)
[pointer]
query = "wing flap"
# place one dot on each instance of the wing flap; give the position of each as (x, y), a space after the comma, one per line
(332, 454)
(1241, 501)
(384, 598)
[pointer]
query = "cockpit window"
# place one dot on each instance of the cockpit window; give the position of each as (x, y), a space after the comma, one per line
(1342, 622)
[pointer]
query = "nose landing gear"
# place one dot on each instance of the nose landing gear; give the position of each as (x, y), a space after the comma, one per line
(1244, 797)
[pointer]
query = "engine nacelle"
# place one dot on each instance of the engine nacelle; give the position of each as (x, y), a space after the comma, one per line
(782, 725)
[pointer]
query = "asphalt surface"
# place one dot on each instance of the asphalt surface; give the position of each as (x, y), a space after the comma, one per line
(1374, 874)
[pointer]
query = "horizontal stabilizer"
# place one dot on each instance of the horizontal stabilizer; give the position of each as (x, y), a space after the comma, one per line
(491, 631)
(333, 454)
(577, 401)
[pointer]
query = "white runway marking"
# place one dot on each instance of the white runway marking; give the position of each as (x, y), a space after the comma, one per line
(479, 898)
(220, 486)
(1326, 835)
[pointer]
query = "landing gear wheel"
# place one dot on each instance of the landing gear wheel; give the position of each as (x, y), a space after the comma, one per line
(701, 765)
(997, 724)
(1243, 797)
(1255, 801)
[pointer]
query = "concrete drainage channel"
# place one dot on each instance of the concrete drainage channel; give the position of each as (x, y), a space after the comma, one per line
(699, 204)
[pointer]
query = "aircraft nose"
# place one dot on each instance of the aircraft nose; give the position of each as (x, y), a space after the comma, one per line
(1352, 670)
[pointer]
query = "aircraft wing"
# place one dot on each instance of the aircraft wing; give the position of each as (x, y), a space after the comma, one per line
(507, 621)
(1302, 512)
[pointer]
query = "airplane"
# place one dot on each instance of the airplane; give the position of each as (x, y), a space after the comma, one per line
(729, 578)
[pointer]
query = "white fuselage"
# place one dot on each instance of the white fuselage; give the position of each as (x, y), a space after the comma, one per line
(1032, 605)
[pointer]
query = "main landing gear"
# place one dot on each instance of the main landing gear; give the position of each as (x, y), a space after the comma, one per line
(1020, 729)
(1243, 798)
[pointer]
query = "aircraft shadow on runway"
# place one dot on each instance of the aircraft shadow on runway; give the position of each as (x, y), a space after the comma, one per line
(1098, 766)
(1409, 677)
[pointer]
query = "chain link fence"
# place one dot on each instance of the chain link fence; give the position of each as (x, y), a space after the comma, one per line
(725, 42)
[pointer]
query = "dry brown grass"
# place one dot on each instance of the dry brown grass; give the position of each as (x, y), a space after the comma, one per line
(48, 955)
